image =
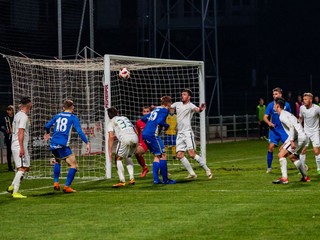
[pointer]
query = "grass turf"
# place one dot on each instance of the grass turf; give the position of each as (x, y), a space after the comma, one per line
(239, 203)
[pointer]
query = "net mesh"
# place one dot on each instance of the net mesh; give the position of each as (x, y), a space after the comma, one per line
(49, 82)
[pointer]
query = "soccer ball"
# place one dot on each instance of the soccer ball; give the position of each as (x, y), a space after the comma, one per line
(124, 73)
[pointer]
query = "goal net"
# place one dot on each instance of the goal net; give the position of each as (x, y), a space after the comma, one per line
(94, 85)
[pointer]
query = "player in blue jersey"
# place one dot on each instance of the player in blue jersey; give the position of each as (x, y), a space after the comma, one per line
(59, 145)
(276, 132)
(155, 123)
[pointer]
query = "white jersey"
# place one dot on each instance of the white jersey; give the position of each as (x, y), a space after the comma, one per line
(20, 120)
(310, 118)
(184, 115)
(292, 126)
(122, 127)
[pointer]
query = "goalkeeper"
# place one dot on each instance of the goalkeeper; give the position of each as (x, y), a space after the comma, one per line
(63, 123)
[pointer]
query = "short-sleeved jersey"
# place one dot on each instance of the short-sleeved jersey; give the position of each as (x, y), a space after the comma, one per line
(20, 120)
(184, 115)
(155, 121)
(121, 126)
(274, 115)
(292, 126)
(310, 118)
(172, 122)
(63, 123)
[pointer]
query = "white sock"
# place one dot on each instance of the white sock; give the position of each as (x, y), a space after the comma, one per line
(300, 167)
(17, 180)
(130, 167)
(120, 171)
(201, 162)
(302, 158)
(318, 161)
(187, 165)
(283, 167)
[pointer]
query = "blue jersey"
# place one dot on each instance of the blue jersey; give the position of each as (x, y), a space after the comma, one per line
(63, 123)
(155, 121)
(274, 115)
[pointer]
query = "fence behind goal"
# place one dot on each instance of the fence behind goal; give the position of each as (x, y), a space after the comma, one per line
(94, 85)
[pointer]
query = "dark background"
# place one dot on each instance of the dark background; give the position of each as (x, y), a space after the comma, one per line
(262, 44)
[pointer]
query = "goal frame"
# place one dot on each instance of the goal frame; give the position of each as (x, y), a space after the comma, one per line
(107, 95)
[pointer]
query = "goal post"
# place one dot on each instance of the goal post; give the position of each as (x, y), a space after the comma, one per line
(150, 79)
(94, 85)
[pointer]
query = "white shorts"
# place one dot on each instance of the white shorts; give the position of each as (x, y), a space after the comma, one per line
(19, 161)
(314, 138)
(299, 144)
(185, 141)
(127, 147)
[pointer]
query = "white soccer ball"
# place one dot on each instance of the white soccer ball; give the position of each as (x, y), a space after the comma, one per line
(124, 73)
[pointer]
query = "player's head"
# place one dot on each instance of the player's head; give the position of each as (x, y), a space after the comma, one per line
(307, 99)
(145, 110)
(316, 99)
(186, 95)
(277, 93)
(112, 112)
(25, 103)
(261, 101)
(68, 105)
(10, 110)
(166, 101)
(171, 110)
(280, 103)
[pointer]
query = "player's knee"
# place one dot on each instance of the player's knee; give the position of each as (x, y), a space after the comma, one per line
(180, 155)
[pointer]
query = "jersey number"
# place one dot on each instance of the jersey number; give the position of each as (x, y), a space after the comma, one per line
(61, 124)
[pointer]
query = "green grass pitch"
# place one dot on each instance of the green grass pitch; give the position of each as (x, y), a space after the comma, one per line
(239, 203)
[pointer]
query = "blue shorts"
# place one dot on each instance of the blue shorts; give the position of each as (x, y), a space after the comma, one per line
(277, 135)
(154, 144)
(170, 140)
(61, 153)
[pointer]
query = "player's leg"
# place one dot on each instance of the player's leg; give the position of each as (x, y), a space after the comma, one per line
(283, 166)
(22, 165)
(315, 139)
(140, 151)
(191, 146)
(56, 169)
(73, 164)
(273, 141)
(317, 158)
(181, 147)
(300, 145)
(120, 154)
(131, 148)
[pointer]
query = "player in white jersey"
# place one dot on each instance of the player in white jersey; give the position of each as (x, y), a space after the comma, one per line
(292, 147)
(185, 136)
(123, 129)
(309, 116)
(19, 146)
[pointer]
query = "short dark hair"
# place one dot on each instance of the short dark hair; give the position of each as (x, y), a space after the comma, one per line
(112, 112)
(25, 100)
(187, 90)
(281, 102)
(10, 107)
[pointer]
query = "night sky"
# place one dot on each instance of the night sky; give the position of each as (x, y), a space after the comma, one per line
(281, 48)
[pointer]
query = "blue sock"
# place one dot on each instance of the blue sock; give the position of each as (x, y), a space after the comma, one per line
(70, 177)
(155, 170)
(56, 172)
(164, 170)
(269, 159)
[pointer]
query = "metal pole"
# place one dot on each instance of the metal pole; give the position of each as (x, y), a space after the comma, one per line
(59, 30)
(91, 28)
(155, 28)
(217, 59)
